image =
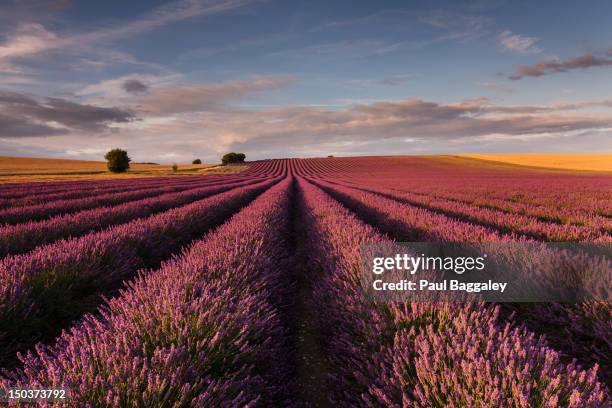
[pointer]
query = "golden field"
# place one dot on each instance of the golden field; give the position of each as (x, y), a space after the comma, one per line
(28, 169)
(584, 162)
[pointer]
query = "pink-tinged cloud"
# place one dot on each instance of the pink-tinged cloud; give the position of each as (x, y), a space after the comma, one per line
(518, 43)
(28, 39)
(559, 65)
(173, 99)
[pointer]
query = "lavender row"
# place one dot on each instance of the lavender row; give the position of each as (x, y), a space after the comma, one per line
(45, 289)
(553, 194)
(83, 191)
(46, 210)
(585, 194)
(22, 190)
(504, 222)
(421, 354)
(549, 209)
(557, 194)
(17, 190)
(24, 237)
(408, 222)
(29, 194)
(200, 331)
(582, 330)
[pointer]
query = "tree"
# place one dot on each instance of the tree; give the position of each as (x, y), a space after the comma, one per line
(196, 161)
(174, 167)
(233, 158)
(118, 160)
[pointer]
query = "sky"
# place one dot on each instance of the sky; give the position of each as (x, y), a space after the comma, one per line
(175, 80)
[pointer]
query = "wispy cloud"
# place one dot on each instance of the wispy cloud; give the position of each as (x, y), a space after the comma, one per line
(348, 49)
(385, 16)
(481, 106)
(30, 39)
(388, 81)
(161, 16)
(495, 86)
(552, 66)
(518, 43)
(458, 26)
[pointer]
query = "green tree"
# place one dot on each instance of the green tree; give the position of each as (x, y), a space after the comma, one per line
(196, 161)
(233, 158)
(118, 160)
(174, 167)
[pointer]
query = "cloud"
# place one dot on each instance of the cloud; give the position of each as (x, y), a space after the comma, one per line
(518, 43)
(306, 130)
(555, 107)
(346, 49)
(458, 26)
(180, 119)
(111, 91)
(30, 39)
(408, 126)
(77, 116)
(134, 86)
(559, 65)
(390, 81)
(161, 16)
(178, 98)
(16, 127)
(25, 116)
(29, 10)
(495, 86)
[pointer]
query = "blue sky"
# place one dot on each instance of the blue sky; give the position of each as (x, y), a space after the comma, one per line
(170, 80)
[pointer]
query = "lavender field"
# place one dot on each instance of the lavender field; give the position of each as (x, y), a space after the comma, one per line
(244, 289)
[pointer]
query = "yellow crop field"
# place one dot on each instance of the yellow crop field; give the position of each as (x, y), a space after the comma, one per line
(28, 169)
(588, 162)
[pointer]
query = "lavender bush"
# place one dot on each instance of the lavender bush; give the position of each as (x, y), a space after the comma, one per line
(394, 356)
(200, 331)
(50, 286)
(24, 237)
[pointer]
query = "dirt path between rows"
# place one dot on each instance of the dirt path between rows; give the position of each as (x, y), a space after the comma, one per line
(309, 359)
